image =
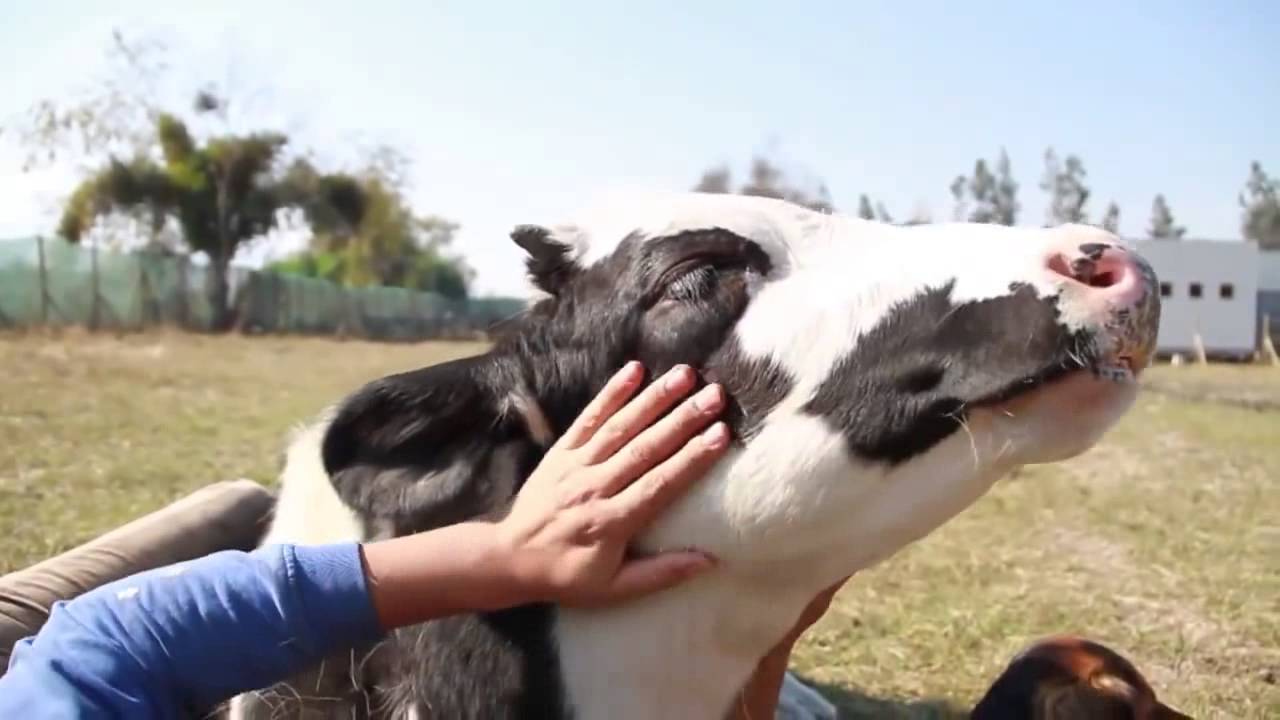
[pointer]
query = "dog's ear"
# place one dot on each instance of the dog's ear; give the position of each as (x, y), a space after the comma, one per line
(434, 446)
(1012, 696)
(551, 262)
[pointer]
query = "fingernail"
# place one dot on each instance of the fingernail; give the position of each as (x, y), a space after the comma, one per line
(698, 562)
(630, 371)
(716, 436)
(676, 377)
(708, 398)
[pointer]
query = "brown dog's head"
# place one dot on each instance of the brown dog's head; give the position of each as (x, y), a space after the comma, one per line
(1071, 678)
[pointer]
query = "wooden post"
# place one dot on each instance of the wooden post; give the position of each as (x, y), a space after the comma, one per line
(1197, 345)
(1268, 345)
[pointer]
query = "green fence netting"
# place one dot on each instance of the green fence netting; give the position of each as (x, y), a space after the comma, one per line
(49, 282)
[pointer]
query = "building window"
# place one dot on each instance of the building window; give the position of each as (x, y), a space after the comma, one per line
(1226, 291)
(1195, 291)
(1166, 289)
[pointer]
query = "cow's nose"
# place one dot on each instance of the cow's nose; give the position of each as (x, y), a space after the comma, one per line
(1111, 272)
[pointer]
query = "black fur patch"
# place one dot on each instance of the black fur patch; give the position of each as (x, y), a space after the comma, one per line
(412, 451)
(908, 383)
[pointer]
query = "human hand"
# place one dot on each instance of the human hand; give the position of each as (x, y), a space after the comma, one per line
(565, 539)
(605, 480)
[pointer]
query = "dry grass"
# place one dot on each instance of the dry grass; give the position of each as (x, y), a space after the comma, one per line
(95, 431)
(1164, 541)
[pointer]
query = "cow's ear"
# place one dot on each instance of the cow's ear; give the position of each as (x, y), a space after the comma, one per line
(433, 446)
(551, 261)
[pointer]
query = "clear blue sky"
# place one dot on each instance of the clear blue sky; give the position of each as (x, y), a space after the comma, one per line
(516, 111)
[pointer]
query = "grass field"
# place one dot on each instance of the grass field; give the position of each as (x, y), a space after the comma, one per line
(1163, 542)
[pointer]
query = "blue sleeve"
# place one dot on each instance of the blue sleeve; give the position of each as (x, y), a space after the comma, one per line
(162, 643)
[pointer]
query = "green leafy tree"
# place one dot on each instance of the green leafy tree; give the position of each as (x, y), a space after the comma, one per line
(391, 245)
(221, 195)
(313, 264)
(1111, 219)
(1260, 203)
(1162, 225)
(1065, 183)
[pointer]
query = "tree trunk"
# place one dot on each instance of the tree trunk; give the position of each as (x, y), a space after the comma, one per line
(220, 316)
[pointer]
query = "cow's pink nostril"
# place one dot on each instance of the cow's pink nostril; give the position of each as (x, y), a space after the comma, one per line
(1059, 264)
(1110, 270)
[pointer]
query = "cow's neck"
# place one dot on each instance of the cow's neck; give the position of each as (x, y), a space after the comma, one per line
(687, 652)
(684, 653)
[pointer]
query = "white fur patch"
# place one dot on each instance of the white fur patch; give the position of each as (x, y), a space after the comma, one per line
(308, 510)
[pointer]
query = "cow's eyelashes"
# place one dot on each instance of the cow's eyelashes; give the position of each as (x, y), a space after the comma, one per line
(695, 283)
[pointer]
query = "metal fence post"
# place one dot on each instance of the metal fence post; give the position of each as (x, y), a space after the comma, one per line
(184, 294)
(93, 308)
(44, 283)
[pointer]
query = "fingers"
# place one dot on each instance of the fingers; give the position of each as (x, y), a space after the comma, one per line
(659, 572)
(658, 441)
(638, 414)
(639, 503)
(612, 396)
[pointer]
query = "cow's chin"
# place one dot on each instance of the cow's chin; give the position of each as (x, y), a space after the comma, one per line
(1063, 417)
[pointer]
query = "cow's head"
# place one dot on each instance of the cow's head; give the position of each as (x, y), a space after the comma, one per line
(881, 377)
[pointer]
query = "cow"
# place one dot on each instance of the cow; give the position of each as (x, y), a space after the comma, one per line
(880, 379)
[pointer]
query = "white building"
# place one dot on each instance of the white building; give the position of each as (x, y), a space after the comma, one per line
(1211, 288)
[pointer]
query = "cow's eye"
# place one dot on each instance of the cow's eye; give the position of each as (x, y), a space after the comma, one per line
(695, 284)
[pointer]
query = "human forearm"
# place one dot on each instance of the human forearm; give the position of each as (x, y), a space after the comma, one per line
(190, 635)
(457, 568)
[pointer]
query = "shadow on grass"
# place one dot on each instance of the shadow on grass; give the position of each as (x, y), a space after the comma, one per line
(855, 705)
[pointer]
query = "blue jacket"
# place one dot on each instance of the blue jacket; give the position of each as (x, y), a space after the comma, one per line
(168, 641)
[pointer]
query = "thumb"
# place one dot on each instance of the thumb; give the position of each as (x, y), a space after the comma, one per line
(646, 575)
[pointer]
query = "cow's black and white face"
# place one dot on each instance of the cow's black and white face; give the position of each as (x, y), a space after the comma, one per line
(880, 378)
(883, 375)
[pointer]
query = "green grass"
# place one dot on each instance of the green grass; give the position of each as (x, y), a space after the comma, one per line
(1163, 542)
